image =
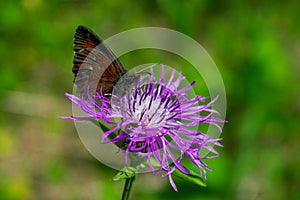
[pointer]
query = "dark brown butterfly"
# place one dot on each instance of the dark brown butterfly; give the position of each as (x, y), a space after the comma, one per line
(95, 65)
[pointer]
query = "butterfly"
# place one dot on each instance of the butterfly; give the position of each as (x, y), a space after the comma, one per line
(96, 68)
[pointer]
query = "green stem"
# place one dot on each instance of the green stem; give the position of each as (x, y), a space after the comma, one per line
(128, 187)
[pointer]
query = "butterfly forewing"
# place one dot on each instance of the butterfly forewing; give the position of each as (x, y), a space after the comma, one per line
(95, 66)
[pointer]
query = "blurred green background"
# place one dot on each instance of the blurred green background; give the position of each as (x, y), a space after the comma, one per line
(256, 46)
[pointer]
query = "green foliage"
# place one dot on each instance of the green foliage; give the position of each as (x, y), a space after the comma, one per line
(126, 173)
(193, 177)
(254, 44)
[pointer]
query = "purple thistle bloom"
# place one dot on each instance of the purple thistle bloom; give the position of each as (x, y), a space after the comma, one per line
(154, 121)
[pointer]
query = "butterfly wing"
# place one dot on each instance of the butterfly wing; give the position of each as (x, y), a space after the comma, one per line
(95, 65)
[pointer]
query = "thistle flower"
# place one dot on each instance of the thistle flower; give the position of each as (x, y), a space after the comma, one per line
(155, 121)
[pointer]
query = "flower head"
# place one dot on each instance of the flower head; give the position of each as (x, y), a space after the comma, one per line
(155, 121)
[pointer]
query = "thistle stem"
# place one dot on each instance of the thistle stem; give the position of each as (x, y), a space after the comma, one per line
(128, 187)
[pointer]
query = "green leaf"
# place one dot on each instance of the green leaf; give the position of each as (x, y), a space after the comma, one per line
(193, 177)
(126, 173)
